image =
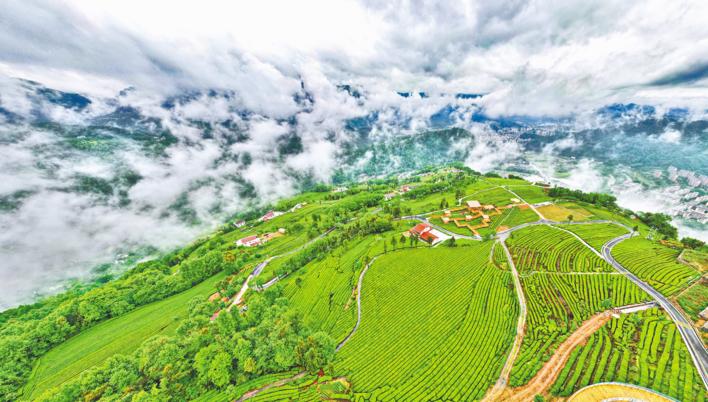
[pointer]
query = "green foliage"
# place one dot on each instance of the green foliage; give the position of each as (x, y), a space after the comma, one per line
(692, 243)
(660, 222)
(596, 234)
(268, 338)
(603, 200)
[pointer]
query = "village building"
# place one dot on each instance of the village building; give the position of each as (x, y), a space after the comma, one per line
(239, 223)
(298, 206)
(704, 314)
(488, 207)
(419, 229)
(389, 196)
(340, 189)
(270, 236)
(446, 219)
(429, 237)
(405, 189)
(269, 215)
(473, 204)
(249, 241)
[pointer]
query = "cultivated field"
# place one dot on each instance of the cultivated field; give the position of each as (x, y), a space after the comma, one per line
(547, 249)
(530, 193)
(560, 212)
(642, 348)
(597, 234)
(436, 324)
(557, 304)
(655, 264)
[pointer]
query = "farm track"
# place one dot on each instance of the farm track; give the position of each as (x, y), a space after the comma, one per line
(503, 380)
(551, 369)
(358, 304)
(259, 268)
(252, 393)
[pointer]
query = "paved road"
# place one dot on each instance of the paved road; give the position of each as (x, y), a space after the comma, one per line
(685, 327)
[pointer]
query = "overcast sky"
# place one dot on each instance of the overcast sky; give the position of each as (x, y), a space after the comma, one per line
(532, 57)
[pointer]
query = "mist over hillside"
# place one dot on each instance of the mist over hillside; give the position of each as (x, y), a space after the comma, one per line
(126, 130)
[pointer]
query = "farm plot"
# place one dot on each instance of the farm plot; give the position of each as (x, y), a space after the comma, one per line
(642, 348)
(559, 303)
(495, 196)
(694, 299)
(437, 324)
(561, 212)
(546, 249)
(530, 193)
(597, 234)
(655, 264)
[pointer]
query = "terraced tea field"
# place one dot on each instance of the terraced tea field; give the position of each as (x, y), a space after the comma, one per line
(530, 193)
(596, 234)
(542, 248)
(436, 324)
(557, 304)
(655, 264)
(642, 348)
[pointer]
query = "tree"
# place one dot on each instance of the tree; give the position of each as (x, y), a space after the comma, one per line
(451, 242)
(538, 398)
(402, 240)
(315, 352)
(394, 242)
(220, 370)
(570, 218)
(606, 304)
(692, 243)
(385, 246)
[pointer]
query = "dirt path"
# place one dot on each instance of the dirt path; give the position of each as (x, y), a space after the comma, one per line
(500, 385)
(358, 303)
(251, 394)
(550, 371)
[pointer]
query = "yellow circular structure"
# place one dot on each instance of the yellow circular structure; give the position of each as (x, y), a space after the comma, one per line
(617, 392)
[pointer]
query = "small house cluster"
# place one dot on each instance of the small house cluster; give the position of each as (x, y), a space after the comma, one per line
(402, 190)
(252, 241)
(426, 233)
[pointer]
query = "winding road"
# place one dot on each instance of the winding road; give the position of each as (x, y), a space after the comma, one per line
(690, 337)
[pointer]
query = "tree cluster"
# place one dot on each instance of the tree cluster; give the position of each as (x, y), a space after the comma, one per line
(266, 338)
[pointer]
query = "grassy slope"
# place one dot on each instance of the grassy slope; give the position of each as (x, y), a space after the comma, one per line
(118, 335)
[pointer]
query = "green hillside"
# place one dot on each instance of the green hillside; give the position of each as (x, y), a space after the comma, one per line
(341, 301)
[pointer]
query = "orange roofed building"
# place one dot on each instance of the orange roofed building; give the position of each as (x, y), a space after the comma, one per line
(420, 229)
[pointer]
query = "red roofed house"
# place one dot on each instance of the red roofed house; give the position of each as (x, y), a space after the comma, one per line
(269, 215)
(405, 189)
(429, 237)
(419, 229)
(249, 241)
